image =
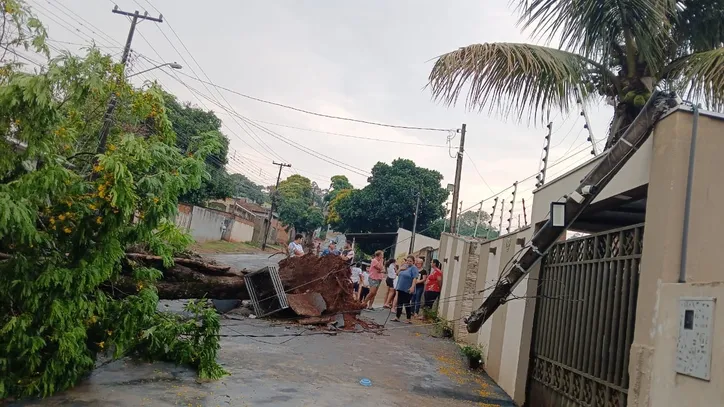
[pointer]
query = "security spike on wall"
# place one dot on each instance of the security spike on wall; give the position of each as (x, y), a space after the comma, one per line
(490, 223)
(512, 207)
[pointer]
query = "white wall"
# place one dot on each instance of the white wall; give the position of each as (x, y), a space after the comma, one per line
(241, 232)
(489, 279)
(402, 245)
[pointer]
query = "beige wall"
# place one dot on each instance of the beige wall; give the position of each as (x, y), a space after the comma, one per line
(506, 337)
(402, 245)
(668, 387)
(241, 232)
(653, 381)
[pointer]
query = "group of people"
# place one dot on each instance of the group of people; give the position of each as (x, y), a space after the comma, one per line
(410, 285)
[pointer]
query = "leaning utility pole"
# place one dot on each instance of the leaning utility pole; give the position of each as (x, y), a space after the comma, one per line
(575, 203)
(273, 203)
(414, 225)
(525, 215)
(458, 174)
(108, 117)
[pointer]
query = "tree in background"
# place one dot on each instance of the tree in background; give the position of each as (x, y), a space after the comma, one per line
(468, 220)
(296, 205)
(388, 201)
(243, 187)
(618, 50)
(189, 123)
(66, 220)
(338, 184)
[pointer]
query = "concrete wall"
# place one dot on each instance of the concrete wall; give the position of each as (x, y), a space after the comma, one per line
(402, 245)
(472, 266)
(241, 232)
(653, 381)
(206, 224)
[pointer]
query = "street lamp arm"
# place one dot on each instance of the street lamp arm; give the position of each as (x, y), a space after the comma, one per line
(173, 65)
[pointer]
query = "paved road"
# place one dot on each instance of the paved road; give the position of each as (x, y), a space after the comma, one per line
(251, 262)
(407, 367)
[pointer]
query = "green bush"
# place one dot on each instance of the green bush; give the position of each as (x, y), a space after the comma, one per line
(472, 352)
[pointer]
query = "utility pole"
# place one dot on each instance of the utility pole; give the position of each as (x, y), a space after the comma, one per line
(541, 177)
(273, 203)
(525, 214)
(108, 117)
(490, 223)
(587, 126)
(477, 222)
(444, 218)
(512, 206)
(414, 225)
(458, 174)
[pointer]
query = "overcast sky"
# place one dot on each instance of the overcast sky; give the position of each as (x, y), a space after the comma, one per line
(366, 60)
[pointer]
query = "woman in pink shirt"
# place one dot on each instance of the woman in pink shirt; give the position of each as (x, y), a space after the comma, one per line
(377, 268)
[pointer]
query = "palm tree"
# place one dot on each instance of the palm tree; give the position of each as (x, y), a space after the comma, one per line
(616, 49)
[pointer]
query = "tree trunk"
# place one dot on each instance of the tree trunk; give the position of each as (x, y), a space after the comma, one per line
(623, 116)
(181, 282)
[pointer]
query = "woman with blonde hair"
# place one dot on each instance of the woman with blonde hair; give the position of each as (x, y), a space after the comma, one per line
(377, 267)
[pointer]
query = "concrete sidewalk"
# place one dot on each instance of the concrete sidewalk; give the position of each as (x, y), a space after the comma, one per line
(406, 365)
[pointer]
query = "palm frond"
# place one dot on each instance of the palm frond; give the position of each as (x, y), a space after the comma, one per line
(593, 28)
(511, 77)
(699, 76)
(699, 25)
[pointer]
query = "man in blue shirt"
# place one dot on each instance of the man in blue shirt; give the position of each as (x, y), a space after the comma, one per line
(406, 288)
(331, 249)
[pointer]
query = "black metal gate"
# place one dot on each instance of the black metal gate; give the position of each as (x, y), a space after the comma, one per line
(584, 320)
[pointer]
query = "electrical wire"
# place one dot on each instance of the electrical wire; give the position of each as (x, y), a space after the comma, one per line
(316, 113)
(478, 171)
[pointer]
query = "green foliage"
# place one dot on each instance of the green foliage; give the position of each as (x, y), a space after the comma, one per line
(472, 352)
(297, 206)
(339, 183)
(388, 201)
(192, 125)
(468, 220)
(66, 220)
(609, 48)
(245, 188)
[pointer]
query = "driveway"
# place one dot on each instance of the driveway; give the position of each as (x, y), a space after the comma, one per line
(406, 365)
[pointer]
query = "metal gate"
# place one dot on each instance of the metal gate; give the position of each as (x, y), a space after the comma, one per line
(584, 320)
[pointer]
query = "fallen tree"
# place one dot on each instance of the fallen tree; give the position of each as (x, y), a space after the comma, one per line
(186, 278)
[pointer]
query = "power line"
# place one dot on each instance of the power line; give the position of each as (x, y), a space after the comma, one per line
(316, 113)
(352, 136)
(478, 171)
(291, 143)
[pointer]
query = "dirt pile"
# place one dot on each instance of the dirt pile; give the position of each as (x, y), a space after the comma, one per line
(328, 276)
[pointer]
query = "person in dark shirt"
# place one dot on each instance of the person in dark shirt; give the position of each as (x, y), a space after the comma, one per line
(419, 286)
(331, 249)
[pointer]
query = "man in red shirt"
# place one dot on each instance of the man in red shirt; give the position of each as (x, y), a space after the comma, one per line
(433, 285)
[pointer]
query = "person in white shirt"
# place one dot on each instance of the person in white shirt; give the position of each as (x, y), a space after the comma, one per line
(391, 265)
(365, 280)
(355, 277)
(295, 247)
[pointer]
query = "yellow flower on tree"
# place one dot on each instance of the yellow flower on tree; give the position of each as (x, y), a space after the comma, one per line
(99, 220)
(61, 217)
(67, 230)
